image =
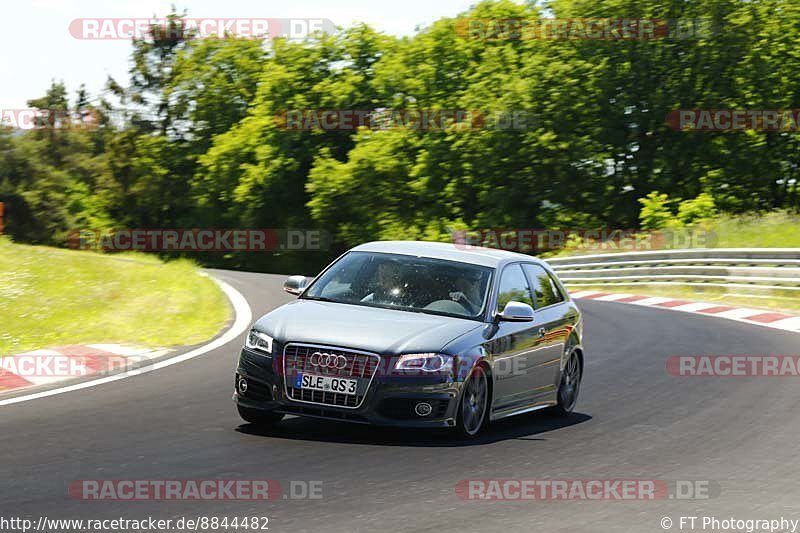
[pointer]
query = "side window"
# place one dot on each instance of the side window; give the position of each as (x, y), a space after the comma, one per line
(544, 287)
(513, 286)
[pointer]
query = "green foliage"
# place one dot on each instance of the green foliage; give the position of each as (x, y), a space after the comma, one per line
(192, 140)
(655, 213)
(697, 209)
(132, 299)
(778, 229)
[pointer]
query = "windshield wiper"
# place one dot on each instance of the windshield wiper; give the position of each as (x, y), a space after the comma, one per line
(321, 299)
(390, 307)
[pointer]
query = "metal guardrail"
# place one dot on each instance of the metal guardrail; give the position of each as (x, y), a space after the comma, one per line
(756, 268)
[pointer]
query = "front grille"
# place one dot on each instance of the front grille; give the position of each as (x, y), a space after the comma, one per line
(360, 366)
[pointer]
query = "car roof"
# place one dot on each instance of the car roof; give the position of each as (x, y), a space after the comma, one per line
(464, 253)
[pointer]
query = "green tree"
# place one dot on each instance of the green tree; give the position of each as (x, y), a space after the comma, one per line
(655, 213)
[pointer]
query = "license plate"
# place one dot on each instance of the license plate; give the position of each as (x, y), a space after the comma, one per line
(326, 384)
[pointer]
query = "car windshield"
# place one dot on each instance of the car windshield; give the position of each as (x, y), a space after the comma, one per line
(405, 282)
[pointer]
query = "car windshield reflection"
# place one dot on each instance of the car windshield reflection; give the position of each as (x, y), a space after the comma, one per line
(407, 283)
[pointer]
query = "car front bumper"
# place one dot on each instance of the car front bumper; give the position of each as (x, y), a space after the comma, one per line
(389, 400)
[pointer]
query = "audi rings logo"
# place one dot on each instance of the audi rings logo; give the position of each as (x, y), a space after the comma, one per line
(328, 360)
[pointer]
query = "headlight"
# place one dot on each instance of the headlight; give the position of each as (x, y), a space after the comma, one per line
(258, 341)
(426, 362)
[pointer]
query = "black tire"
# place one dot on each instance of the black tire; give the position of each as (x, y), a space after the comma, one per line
(259, 417)
(473, 409)
(570, 385)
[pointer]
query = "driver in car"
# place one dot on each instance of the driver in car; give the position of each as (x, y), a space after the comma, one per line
(390, 286)
(465, 287)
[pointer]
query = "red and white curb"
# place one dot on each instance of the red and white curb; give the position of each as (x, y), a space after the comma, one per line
(243, 318)
(758, 317)
(45, 367)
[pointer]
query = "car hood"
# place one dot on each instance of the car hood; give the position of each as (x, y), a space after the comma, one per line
(372, 329)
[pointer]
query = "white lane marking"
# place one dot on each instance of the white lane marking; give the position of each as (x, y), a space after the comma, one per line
(742, 312)
(119, 349)
(695, 307)
(584, 294)
(612, 297)
(737, 315)
(790, 324)
(243, 318)
(153, 355)
(47, 373)
(655, 300)
(25, 366)
(75, 370)
(36, 368)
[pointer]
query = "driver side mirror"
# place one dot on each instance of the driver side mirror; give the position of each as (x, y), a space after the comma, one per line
(516, 312)
(295, 284)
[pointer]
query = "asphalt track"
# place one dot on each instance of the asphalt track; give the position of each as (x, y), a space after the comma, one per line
(634, 421)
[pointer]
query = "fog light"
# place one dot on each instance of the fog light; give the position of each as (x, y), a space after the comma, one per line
(242, 386)
(423, 409)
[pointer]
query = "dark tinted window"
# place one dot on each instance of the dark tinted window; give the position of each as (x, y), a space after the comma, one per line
(513, 286)
(544, 287)
(405, 282)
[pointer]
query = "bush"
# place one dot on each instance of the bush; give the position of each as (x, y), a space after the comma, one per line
(655, 213)
(697, 209)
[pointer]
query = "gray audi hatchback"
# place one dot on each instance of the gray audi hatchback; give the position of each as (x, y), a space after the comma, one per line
(416, 334)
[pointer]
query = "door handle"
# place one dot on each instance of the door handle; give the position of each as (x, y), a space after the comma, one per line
(541, 333)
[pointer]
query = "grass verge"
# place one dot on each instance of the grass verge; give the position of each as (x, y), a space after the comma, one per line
(52, 297)
(778, 229)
